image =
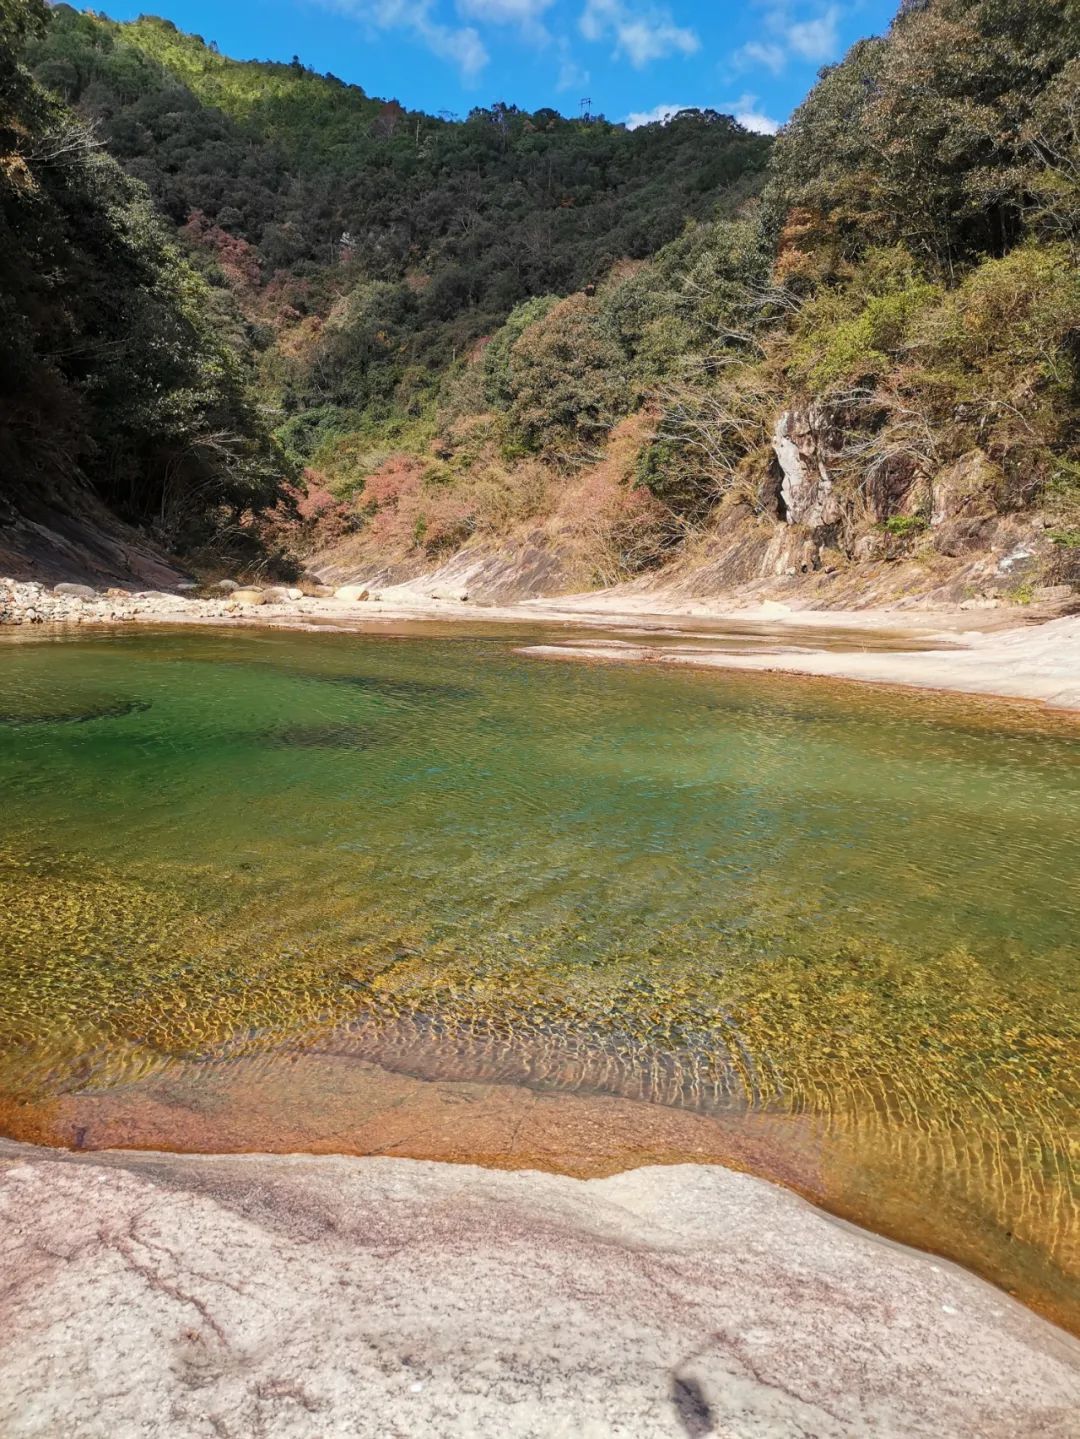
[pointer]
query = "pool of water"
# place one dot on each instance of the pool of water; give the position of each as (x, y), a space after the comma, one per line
(417, 893)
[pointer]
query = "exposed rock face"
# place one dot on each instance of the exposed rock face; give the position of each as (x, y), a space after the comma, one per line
(894, 486)
(801, 442)
(519, 569)
(186, 1296)
(791, 552)
(70, 535)
(964, 489)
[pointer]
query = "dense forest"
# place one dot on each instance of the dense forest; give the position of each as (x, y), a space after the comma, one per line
(113, 374)
(243, 288)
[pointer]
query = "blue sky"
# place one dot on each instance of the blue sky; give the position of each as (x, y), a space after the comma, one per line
(633, 58)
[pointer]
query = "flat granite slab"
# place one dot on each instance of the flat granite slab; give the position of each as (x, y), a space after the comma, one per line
(242, 1295)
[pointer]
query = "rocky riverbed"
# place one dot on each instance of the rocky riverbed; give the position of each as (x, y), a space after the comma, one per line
(28, 603)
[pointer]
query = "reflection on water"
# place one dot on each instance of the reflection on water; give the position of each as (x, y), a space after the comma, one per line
(421, 895)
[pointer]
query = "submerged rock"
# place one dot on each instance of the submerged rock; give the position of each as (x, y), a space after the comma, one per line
(21, 719)
(322, 736)
(401, 689)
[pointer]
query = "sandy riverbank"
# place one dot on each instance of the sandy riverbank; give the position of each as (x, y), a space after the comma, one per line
(1004, 651)
(290, 1295)
(1037, 662)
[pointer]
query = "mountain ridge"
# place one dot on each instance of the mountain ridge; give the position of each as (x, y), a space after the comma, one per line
(682, 349)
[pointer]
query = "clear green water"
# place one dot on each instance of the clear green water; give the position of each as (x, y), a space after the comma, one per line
(735, 894)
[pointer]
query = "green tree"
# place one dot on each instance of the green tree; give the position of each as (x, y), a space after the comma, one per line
(568, 378)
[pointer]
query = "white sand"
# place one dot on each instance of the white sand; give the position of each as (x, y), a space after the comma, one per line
(1038, 662)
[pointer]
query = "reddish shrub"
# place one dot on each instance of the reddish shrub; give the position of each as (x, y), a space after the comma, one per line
(239, 261)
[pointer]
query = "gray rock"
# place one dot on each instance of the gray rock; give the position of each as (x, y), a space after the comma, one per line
(801, 441)
(160, 1295)
(227, 587)
(75, 592)
(275, 594)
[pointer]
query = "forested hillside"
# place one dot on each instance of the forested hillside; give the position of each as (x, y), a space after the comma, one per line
(852, 348)
(116, 386)
(302, 191)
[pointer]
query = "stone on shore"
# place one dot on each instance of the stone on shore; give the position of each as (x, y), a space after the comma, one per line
(351, 592)
(75, 592)
(153, 1294)
(248, 597)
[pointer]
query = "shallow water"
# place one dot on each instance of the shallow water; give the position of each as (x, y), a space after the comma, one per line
(278, 891)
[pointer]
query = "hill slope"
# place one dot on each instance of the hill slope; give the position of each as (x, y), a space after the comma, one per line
(118, 396)
(562, 354)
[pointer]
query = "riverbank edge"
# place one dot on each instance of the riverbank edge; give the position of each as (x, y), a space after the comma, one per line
(386, 1295)
(1037, 665)
(994, 652)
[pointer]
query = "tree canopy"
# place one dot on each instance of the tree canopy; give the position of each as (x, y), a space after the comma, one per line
(112, 370)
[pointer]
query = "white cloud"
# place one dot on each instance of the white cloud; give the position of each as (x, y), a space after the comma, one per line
(572, 76)
(772, 56)
(815, 38)
(639, 35)
(462, 46)
(748, 115)
(526, 14)
(744, 109)
(658, 113)
(504, 12)
(459, 44)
